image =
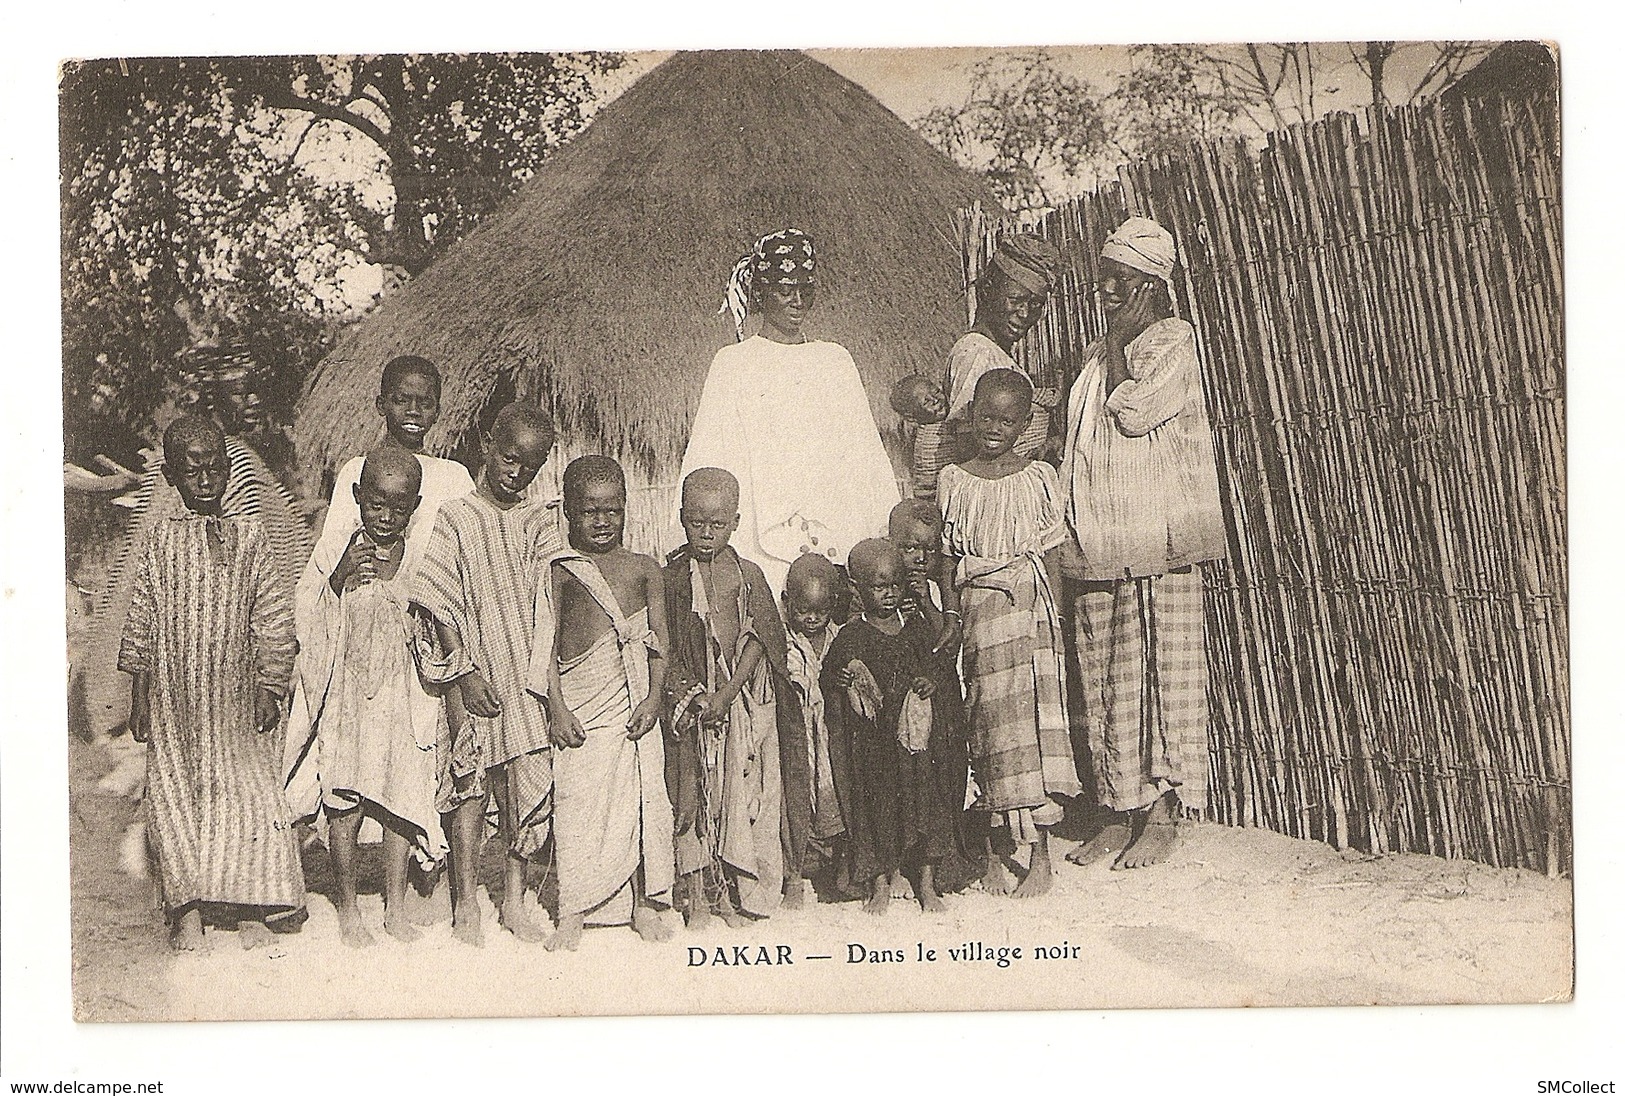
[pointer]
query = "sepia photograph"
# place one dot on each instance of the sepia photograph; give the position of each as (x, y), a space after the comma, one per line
(777, 531)
(763, 531)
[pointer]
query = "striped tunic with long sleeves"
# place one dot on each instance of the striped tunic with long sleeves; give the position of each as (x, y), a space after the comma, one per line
(252, 491)
(209, 625)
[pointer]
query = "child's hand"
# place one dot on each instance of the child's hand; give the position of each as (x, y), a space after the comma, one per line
(267, 709)
(565, 729)
(714, 707)
(920, 583)
(478, 697)
(843, 677)
(923, 687)
(643, 719)
(356, 567)
(949, 635)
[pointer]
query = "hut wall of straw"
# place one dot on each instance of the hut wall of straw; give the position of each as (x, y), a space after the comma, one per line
(596, 288)
(1380, 317)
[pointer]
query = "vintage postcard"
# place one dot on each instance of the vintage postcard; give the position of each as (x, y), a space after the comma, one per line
(564, 534)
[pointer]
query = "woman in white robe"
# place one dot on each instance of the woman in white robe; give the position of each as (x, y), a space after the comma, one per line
(789, 418)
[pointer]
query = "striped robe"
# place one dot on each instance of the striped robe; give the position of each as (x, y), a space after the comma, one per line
(479, 574)
(1020, 746)
(252, 491)
(209, 625)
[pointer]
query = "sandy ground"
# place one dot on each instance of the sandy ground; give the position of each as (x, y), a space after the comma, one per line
(1238, 917)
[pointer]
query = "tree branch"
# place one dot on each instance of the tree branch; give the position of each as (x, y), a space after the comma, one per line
(281, 99)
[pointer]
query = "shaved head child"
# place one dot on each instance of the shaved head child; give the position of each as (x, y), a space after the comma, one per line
(209, 641)
(920, 403)
(408, 401)
(722, 713)
(811, 593)
(878, 681)
(376, 725)
(479, 579)
(915, 530)
(598, 660)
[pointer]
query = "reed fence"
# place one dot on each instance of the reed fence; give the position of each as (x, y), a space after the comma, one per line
(1379, 312)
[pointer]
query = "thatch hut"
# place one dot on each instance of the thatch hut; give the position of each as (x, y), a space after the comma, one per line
(595, 289)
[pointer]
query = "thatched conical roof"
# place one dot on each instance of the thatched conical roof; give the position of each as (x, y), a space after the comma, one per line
(595, 288)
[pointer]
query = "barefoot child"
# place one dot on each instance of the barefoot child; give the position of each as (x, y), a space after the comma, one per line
(915, 530)
(810, 596)
(918, 400)
(721, 712)
(478, 578)
(376, 725)
(209, 641)
(597, 657)
(409, 402)
(878, 681)
(1003, 524)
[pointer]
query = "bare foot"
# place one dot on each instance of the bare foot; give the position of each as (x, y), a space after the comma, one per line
(465, 926)
(646, 923)
(1039, 873)
(351, 931)
(254, 934)
(1108, 842)
(516, 920)
(568, 937)
(998, 879)
(1154, 845)
(430, 909)
(930, 900)
(880, 898)
(400, 927)
(795, 894)
(900, 886)
(729, 912)
(188, 932)
(699, 917)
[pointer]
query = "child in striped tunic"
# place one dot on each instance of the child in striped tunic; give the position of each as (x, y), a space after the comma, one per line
(209, 640)
(478, 578)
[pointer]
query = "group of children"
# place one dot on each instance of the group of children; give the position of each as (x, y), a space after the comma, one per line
(654, 735)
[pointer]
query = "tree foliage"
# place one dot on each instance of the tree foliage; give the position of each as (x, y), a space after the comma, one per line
(453, 134)
(1029, 126)
(1167, 99)
(175, 220)
(194, 210)
(1038, 132)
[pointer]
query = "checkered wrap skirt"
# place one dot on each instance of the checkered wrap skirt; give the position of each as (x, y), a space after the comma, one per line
(1144, 696)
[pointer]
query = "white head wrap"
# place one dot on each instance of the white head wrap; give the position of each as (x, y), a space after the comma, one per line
(1143, 244)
